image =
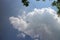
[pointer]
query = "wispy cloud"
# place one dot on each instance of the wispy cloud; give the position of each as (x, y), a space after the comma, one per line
(40, 22)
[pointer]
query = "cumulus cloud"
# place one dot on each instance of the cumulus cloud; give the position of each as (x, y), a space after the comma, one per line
(18, 23)
(43, 23)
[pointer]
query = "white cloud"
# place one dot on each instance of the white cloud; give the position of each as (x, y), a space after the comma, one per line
(18, 23)
(44, 22)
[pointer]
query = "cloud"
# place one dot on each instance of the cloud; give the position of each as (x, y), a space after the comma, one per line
(18, 23)
(40, 22)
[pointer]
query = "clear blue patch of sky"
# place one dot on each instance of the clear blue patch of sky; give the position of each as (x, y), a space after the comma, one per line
(39, 4)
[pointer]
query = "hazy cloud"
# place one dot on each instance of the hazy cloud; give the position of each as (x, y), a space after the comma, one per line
(40, 22)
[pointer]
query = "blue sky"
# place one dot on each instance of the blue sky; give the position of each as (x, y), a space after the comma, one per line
(15, 8)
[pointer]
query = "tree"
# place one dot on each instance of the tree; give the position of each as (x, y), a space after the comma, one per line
(25, 2)
(55, 3)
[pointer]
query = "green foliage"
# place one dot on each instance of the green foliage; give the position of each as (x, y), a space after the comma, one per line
(54, 3)
(57, 4)
(25, 2)
(58, 0)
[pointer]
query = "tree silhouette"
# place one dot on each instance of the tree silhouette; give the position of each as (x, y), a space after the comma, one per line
(25, 2)
(57, 4)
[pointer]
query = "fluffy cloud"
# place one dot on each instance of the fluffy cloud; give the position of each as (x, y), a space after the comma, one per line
(40, 22)
(18, 23)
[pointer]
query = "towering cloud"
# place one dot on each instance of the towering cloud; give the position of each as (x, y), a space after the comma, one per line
(43, 23)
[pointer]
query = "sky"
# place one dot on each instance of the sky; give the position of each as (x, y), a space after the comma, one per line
(12, 17)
